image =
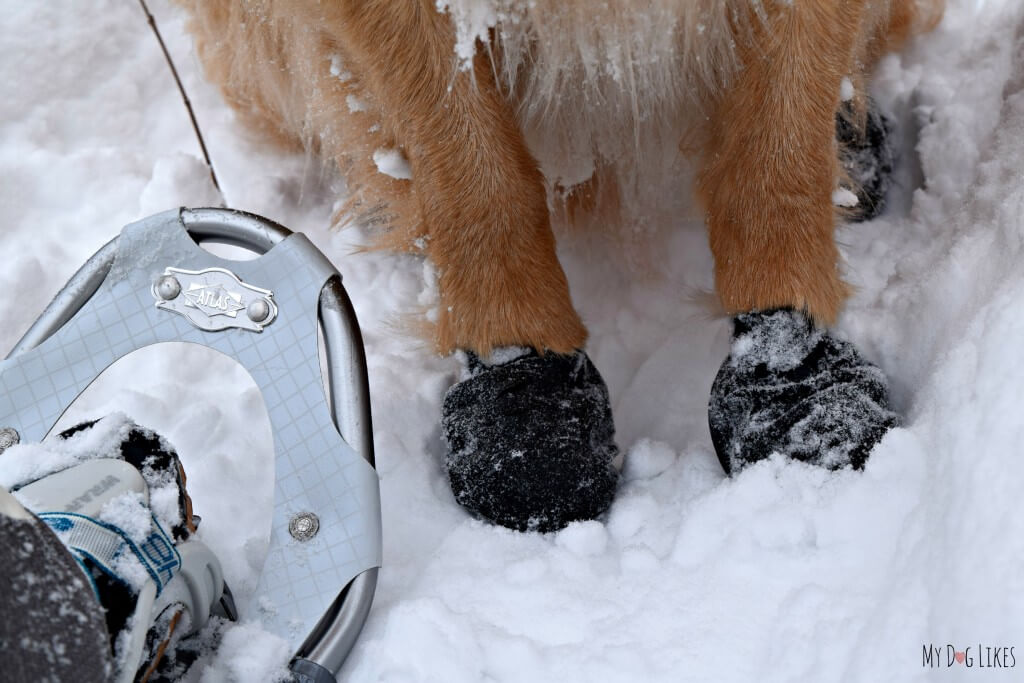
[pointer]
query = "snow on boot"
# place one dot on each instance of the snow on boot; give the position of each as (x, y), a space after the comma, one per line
(790, 388)
(867, 156)
(530, 439)
(114, 495)
(51, 624)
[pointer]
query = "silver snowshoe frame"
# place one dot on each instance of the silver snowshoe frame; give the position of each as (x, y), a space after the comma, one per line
(153, 283)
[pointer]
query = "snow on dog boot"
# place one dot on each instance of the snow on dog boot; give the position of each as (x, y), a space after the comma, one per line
(530, 439)
(867, 156)
(790, 388)
(114, 495)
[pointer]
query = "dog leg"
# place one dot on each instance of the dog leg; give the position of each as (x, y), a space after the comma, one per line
(767, 184)
(771, 162)
(480, 192)
(529, 432)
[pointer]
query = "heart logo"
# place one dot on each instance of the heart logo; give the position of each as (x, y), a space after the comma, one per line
(959, 656)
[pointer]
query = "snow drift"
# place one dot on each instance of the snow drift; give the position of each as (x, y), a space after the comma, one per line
(783, 573)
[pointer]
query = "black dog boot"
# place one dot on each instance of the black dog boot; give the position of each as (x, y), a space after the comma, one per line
(867, 156)
(790, 388)
(530, 439)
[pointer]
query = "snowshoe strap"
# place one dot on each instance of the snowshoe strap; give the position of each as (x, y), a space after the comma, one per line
(107, 546)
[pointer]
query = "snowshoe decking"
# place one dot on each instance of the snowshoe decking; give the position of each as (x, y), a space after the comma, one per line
(154, 283)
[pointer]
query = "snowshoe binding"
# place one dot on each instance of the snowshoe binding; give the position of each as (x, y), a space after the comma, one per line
(114, 496)
(154, 283)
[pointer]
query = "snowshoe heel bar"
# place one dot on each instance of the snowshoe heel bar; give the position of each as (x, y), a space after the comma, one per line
(152, 284)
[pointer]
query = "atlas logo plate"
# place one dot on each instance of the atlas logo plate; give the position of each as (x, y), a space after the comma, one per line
(214, 299)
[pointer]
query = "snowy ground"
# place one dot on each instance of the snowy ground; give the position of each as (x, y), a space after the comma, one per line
(784, 573)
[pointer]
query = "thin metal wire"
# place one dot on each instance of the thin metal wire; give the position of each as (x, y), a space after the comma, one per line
(184, 97)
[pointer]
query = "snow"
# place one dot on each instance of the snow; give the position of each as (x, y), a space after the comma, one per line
(648, 459)
(498, 356)
(338, 71)
(473, 18)
(505, 354)
(844, 198)
(780, 339)
(248, 653)
(355, 104)
(846, 90)
(24, 463)
(784, 573)
(129, 513)
(393, 163)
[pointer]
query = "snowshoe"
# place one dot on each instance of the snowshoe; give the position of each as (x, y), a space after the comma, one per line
(154, 283)
(788, 387)
(530, 437)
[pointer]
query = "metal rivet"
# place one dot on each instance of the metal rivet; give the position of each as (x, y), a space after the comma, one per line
(168, 287)
(304, 526)
(258, 310)
(8, 438)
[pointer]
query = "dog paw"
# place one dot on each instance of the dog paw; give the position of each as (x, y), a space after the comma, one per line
(530, 439)
(867, 156)
(790, 388)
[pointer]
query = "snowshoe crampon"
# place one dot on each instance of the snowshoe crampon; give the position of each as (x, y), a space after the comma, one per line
(154, 283)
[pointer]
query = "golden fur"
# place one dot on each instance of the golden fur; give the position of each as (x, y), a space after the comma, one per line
(565, 100)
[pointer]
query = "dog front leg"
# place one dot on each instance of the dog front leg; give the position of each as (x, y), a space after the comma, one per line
(771, 161)
(480, 192)
(529, 436)
(788, 386)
